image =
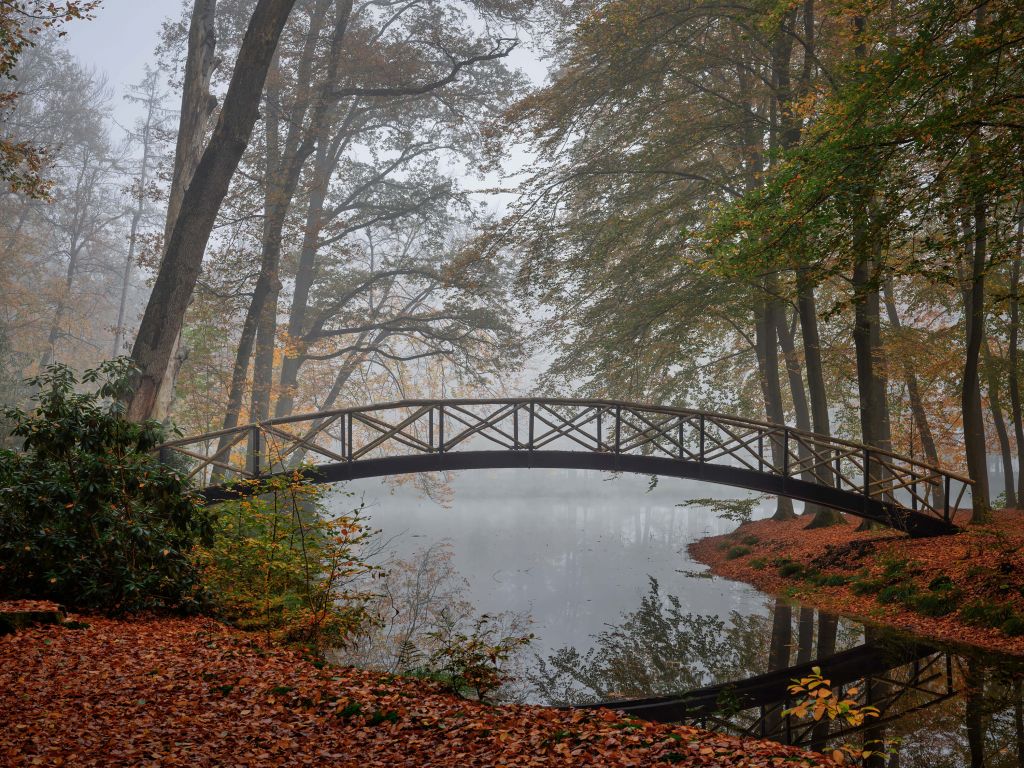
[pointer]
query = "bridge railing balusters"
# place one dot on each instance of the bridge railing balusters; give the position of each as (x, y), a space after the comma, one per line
(881, 476)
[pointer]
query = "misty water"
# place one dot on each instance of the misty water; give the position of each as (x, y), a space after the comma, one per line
(599, 563)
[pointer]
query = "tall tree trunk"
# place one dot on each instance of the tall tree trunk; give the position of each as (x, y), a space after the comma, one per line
(803, 419)
(1014, 357)
(808, 313)
(768, 365)
(304, 277)
(300, 143)
(183, 258)
(872, 383)
(197, 107)
(970, 394)
(974, 311)
(996, 408)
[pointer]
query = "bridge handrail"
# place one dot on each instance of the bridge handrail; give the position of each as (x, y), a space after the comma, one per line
(587, 402)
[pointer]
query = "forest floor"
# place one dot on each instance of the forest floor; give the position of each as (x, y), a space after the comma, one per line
(966, 589)
(172, 691)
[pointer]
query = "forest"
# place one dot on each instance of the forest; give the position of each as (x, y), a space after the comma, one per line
(775, 245)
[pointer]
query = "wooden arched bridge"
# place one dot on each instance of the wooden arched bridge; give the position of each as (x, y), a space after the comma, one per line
(438, 435)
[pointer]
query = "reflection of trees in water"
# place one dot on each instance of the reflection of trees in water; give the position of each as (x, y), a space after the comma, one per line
(938, 711)
(658, 648)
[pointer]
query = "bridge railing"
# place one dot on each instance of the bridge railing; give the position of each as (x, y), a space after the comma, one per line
(535, 424)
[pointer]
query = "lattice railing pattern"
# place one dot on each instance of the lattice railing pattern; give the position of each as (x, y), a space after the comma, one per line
(534, 424)
(896, 693)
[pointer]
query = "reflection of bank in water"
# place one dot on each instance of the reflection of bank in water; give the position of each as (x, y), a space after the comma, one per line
(937, 708)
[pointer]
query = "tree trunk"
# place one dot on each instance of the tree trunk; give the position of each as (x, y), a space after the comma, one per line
(975, 712)
(1014, 357)
(996, 408)
(176, 279)
(778, 657)
(805, 636)
(808, 313)
(302, 137)
(768, 365)
(304, 277)
(197, 107)
(821, 516)
(872, 383)
(970, 394)
(828, 628)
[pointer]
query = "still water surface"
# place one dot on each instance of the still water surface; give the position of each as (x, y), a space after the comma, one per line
(620, 610)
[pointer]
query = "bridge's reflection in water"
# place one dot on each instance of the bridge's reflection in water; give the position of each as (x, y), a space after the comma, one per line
(937, 707)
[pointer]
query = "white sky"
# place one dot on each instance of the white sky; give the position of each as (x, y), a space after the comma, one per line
(120, 42)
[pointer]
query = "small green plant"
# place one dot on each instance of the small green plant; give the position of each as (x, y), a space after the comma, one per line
(986, 614)
(758, 563)
(936, 604)
(737, 551)
(897, 593)
(280, 563)
(735, 510)
(941, 584)
(831, 580)
(1013, 626)
(472, 663)
(792, 569)
(866, 586)
(750, 540)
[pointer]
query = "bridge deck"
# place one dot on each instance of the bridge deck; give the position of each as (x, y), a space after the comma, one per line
(438, 435)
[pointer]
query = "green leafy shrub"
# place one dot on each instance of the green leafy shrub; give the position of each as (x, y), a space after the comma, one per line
(738, 551)
(758, 563)
(88, 516)
(750, 540)
(986, 614)
(280, 563)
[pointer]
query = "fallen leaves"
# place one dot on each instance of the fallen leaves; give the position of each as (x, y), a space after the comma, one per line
(980, 561)
(193, 692)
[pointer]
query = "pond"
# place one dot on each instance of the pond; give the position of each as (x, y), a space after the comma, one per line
(598, 565)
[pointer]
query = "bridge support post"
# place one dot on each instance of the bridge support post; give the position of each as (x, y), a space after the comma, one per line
(254, 452)
(440, 429)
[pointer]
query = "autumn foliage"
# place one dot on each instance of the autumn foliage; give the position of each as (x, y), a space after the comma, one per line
(192, 692)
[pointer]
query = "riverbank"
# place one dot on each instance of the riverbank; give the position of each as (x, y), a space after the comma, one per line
(966, 589)
(194, 692)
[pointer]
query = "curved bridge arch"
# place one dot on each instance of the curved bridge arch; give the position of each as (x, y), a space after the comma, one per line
(436, 435)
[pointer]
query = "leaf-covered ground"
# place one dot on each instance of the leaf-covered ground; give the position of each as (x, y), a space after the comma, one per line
(193, 692)
(984, 563)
